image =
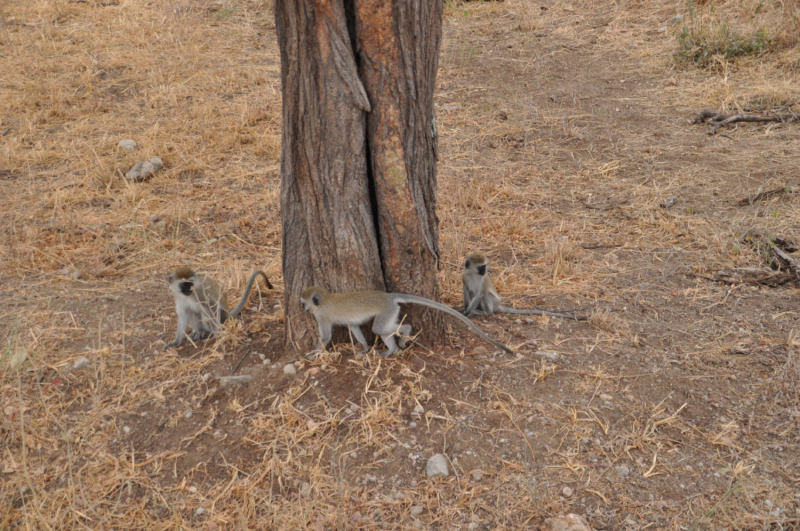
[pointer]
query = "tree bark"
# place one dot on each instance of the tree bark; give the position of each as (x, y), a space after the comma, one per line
(358, 171)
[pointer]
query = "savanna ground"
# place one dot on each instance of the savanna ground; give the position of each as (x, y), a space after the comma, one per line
(563, 127)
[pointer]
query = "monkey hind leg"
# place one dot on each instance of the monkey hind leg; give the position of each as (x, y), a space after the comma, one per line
(391, 346)
(405, 331)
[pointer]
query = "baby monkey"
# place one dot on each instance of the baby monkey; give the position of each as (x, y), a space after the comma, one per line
(356, 308)
(201, 303)
(480, 297)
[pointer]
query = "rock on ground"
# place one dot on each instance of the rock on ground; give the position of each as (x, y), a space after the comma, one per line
(127, 144)
(143, 170)
(437, 466)
(80, 363)
(232, 381)
(570, 522)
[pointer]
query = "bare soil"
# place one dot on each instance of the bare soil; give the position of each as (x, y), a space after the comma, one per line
(563, 128)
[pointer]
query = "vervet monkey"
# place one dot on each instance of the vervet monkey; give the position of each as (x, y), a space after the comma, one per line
(358, 307)
(201, 304)
(480, 297)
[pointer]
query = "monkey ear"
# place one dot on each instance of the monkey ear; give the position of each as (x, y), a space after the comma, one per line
(316, 299)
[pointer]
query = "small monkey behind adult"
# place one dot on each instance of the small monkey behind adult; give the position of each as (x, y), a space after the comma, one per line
(202, 304)
(480, 297)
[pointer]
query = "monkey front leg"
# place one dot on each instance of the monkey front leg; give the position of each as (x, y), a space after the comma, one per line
(325, 335)
(183, 323)
(359, 335)
(472, 306)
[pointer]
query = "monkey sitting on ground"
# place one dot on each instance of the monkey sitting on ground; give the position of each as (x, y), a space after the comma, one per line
(201, 304)
(480, 297)
(356, 308)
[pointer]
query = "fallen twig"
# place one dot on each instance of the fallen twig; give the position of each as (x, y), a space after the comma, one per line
(764, 195)
(721, 120)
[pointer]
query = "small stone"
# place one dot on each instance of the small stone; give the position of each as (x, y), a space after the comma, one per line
(143, 170)
(127, 144)
(311, 424)
(549, 355)
(187, 415)
(477, 476)
(607, 398)
(437, 466)
(413, 483)
(305, 489)
(192, 489)
(416, 510)
(631, 522)
(80, 363)
(126, 429)
(473, 526)
(622, 470)
(418, 411)
(570, 522)
(312, 371)
(567, 492)
(262, 357)
(289, 369)
(266, 362)
(417, 524)
(200, 511)
(18, 358)
(235, 381)
(412, 424)
(218, 434)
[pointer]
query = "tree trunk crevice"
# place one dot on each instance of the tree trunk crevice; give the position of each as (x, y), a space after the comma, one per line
(358, 194)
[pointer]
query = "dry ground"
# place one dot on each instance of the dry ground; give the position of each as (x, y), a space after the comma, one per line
(676, 407)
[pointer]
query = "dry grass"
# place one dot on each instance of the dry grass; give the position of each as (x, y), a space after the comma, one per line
(674, 407)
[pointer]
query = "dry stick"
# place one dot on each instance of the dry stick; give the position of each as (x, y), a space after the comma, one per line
(793, 264)
(765, 195)
(721, 120)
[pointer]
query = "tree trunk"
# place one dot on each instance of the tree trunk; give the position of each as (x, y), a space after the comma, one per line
(358, 169)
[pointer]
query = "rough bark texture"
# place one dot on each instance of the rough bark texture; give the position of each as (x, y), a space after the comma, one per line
(358, 192)
(398, 47)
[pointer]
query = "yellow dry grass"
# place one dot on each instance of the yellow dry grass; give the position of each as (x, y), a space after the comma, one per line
(542, 108)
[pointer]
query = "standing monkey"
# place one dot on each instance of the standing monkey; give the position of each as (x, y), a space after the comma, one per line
(383, 309)
(480, 297)
(201, 303)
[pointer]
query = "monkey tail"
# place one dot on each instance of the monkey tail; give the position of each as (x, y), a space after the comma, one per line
(573, 316)
(413, 299)
(246, 295)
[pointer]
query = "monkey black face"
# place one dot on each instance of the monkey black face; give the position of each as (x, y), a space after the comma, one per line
(316, 299)
(482, 270)
(186, 287)
(466, 264)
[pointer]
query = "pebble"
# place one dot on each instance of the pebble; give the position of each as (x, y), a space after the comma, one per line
(437, 466)
(262, 357)
(570, 522)
(200, 511)
(289, 369)
(143, 170)
(412, 424)
(417, 524)
(127, 144)
(418, 411)
(552, 356)
(188, 415)
(18, 358)
(473, 526)
(233, 381)
(126, 429)
(80, 363)
(622, 470)
(607, 398)
(477, 476)
(567, 492)
(416, 510)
